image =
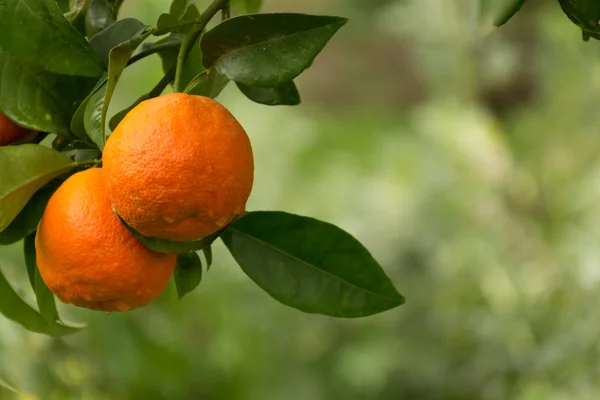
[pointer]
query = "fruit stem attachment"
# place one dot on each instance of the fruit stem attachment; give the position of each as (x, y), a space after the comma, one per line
(163, 83)
(192, 37)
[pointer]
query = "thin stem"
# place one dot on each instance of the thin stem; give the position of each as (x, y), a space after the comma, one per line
(190, 39)
(163, 83)
(226, 12)
(154, 49)
(88, 162)
(167, 29)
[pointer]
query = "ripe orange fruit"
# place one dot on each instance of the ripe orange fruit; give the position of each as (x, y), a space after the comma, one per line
(87, 257)
(178, 167)
(10, 132)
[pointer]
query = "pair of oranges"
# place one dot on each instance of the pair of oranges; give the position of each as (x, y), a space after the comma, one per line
(178, 167)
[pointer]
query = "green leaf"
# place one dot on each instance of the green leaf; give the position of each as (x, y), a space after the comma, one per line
(209, 83)
(76, 14)
(129, 34)
(285, 94)
(168, 246)
(188, 273)
(208, 255)
(310, 265)
(267, 49)
(28, 219)
(507, 10)
(37, 36)
(4, 385)
(30, 260)
(23, 170)
(246, 6)
(77, 124)
(92, 116)
(45, 69)
(114, 35)
(181, 11)
(585, 14)
(39, 100)
(44, 297)
(13, 307)
(99, 16)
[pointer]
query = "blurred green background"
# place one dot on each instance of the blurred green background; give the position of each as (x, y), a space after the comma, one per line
(465, 158)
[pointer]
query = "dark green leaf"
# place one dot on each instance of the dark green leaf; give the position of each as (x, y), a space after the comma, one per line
(209, 83)
(208, 255)
(44, 297)
(188, 273)
(92, 116)
(114, 35)
(77, 121)
(76, 14)
(30, 259)
(43, 68)
(585, 14)
(284, 94)
(99, 16)
(40, 101)
(23, 170)
(310, 265)
(27, 221)
(168, 246)
(181, 11)
(246, 6)
(131, 33)
(267, 49)
(37, 36)
(507, 10)
(63, 5)
(13, 307)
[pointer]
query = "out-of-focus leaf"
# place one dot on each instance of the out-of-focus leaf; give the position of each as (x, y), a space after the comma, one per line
(246, 6)
(5, 386)
(507, 10)
(44, 297)
(13, 307)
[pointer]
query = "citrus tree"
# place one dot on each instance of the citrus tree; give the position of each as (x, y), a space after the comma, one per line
(109, 208)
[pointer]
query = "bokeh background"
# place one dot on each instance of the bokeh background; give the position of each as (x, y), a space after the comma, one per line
(465, 158)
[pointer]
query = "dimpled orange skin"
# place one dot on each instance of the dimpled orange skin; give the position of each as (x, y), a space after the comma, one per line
(87, 257)
(10, 132)
(178, 167)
